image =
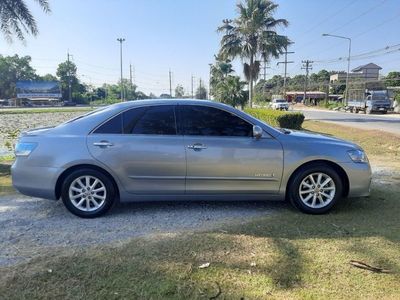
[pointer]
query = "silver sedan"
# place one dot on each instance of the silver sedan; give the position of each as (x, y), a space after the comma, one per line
(184, 150)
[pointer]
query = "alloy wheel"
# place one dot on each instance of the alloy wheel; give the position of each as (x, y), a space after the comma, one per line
(317, 190)
(87, 193)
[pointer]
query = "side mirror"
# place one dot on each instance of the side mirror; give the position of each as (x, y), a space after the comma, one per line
(257, 132)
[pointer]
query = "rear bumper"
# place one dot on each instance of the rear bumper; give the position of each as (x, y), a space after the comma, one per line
(34, 181)
(359, 175)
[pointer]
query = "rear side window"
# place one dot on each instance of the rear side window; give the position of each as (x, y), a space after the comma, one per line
(158, 120)
(210, 121)
(152, 120)
(112, 126)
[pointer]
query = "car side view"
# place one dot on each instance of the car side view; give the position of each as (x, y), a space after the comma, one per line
(184, 150)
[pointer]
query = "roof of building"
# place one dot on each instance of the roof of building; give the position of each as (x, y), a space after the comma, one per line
(367, 66)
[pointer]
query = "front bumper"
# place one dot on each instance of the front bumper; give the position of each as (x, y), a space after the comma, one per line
(359, 175)
(34, 181)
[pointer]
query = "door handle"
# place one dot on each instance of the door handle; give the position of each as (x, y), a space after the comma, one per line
(103, 144)
(197, 147)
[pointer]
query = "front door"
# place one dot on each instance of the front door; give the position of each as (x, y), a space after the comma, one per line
(143, 149)
(223, 157)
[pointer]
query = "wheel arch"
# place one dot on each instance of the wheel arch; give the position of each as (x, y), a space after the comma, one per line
(71, 169)
(341, 172)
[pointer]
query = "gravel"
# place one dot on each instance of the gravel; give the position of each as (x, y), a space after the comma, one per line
(32, 226)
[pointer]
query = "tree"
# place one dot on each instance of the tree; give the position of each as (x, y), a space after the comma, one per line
(252, 36)
(219, 70)
(201, 93)
(179, 91)
(66, 72)
(230, 91)
(17, 20)
(47, 77)
(12, 69)
(392, 79)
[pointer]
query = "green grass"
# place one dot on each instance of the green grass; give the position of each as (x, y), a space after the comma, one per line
(5, 177)
(287, 255)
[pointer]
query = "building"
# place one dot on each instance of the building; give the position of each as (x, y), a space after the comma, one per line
(368, 72)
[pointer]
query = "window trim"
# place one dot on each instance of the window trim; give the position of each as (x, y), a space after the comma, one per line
(181, 107)
(137, 134)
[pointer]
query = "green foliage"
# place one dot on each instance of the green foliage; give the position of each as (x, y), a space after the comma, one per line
(392, 79)
(277, 118)
(179, 91)
(12, 69)
(230, 91)
(201, 93)
(17, 20)
(252, 37)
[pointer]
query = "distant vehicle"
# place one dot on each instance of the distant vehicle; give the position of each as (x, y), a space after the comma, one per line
(371, 101)
(69, 103)
(279, 104)
(184, 150)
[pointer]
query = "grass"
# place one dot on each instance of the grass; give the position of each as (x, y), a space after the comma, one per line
(5, 177)
(285, 255)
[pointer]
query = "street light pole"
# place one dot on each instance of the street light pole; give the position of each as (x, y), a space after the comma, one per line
(120, 40)
(348, 62)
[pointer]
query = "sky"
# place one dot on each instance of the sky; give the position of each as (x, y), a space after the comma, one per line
(180, 35)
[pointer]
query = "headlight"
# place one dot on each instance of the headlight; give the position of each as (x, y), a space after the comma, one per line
(358, 156)
(24, 149)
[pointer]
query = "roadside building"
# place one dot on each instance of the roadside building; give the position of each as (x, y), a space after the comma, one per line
(313, 96)
(368, 72)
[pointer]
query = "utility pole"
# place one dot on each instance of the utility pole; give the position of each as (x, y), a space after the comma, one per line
(286, 62)
(192, 86)
(265, 67)
(69, 78)
(200, 87)
(121, 40)
(209, 82)
(130, 75)
(306, 66)
(170, 83)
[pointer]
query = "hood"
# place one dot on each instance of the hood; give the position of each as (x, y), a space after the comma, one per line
(308, 136)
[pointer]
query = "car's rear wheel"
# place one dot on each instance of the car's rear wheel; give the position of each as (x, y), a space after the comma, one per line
(315, 189)
(87, 193)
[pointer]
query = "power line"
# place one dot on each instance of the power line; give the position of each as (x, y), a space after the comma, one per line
(306, 66)
(285, 62)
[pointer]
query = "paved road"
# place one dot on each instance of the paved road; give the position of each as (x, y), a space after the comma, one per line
(388, 123)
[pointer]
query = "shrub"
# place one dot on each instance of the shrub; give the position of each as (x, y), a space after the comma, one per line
(277, 118)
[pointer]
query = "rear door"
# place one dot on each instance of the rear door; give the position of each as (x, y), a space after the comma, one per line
(142, 147)
(222, 155)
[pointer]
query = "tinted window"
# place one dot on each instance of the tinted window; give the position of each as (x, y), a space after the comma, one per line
(150, 120)
(202, 120)
(113, 126)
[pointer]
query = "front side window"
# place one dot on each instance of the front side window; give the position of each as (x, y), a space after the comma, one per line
(210, 121)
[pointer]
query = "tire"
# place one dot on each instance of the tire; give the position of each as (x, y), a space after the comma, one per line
(81, 198)
(301, 182)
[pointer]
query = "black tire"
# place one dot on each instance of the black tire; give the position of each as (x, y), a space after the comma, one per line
(300, 175)
(104, 180)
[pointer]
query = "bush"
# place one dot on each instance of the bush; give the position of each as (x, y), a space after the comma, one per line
(277, 118)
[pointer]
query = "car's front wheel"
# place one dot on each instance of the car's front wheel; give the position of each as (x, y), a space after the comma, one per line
(315, 189)
(87, 193)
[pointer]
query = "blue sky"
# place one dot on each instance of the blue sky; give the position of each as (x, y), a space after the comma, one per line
(181, 35)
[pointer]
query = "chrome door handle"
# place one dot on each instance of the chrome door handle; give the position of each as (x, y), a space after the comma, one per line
(197, 147)
(104, 144)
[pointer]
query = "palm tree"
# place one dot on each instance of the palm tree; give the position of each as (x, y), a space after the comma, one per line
(252, 36)
(16, 18)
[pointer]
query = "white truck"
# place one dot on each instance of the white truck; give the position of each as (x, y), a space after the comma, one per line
(279, 104)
